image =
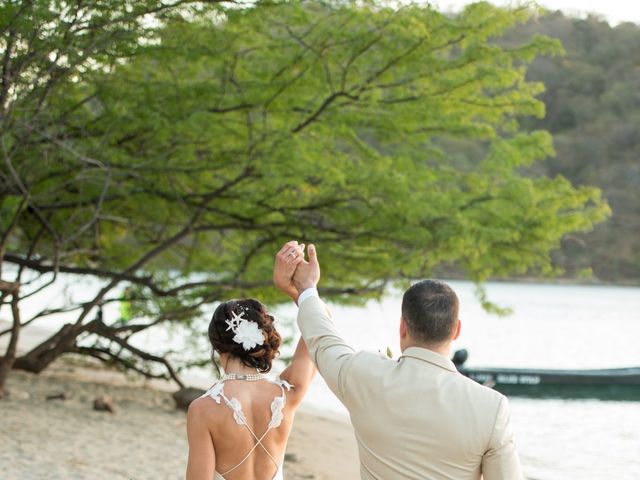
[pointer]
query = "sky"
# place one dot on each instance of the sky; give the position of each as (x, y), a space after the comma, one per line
(614, 11)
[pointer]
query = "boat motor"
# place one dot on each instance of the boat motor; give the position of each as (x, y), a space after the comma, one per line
(459, 357)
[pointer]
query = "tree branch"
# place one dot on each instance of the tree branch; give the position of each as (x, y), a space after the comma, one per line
(99, 328)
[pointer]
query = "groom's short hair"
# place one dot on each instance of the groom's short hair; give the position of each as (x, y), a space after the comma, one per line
(430, 308)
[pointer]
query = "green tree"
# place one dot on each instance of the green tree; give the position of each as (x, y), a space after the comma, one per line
(49, 47)
(180, 171)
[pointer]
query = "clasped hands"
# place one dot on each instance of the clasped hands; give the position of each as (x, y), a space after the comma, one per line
(292, 273)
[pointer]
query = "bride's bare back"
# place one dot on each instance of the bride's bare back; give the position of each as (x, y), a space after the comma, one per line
(247, 409)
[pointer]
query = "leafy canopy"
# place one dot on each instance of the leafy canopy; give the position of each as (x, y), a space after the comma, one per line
(184, 161)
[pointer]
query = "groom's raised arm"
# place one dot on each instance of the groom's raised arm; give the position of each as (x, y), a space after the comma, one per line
(328, 350)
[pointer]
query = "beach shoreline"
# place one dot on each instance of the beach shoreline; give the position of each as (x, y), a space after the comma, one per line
(145, 437)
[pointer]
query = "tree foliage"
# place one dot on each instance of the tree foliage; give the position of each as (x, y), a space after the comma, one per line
(178, 156)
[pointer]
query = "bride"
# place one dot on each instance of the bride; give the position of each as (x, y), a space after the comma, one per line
(238, 429)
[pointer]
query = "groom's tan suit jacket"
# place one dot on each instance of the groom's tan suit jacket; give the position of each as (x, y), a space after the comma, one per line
(416, 417)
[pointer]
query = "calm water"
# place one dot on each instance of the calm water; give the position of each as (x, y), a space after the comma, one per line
(551, 326)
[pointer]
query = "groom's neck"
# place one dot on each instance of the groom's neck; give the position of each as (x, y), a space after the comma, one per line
(443, 349)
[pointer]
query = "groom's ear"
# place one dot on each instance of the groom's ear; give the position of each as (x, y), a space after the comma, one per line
(458, 329)
(403, 327)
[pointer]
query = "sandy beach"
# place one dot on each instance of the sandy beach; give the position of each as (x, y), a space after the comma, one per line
(143, 439)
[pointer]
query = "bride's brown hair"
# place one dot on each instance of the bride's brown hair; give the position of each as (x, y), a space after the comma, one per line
(221, 336)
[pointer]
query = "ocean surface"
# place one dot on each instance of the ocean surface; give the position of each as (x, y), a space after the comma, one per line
(552, 326)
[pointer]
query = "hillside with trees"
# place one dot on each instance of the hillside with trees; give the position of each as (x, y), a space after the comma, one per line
(592, 100)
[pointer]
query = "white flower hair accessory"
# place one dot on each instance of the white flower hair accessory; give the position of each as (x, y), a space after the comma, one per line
(247, 332)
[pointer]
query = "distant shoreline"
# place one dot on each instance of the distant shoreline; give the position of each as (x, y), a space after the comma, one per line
(547, 281)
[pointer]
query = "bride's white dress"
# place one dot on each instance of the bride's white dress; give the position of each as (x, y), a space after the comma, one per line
(278, 476)
(216, 392)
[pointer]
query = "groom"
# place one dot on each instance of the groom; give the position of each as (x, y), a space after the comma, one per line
(417, 417)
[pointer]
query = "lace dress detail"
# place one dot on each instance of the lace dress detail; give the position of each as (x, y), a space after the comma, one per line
(216, 392)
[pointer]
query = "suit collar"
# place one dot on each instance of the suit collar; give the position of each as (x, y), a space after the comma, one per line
(429, 356)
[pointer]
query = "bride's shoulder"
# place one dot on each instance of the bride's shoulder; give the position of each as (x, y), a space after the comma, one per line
(206, 405)
(198, 408)
(282, 383)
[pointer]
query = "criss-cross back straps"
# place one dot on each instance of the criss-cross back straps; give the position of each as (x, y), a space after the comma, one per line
(256, 445)
(277, 405)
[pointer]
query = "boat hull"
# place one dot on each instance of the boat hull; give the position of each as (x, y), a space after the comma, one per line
(619, 383)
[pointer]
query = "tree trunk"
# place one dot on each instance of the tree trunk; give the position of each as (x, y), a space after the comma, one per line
(64, 342)
(6, 362)
(43, 355)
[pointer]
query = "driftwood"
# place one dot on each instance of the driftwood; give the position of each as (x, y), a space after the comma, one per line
(104, 404)
(57, 396)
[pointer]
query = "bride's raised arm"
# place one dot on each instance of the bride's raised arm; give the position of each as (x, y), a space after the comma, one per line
(301, 370)
(299, 373)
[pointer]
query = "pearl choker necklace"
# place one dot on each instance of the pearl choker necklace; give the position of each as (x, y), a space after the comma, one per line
(251, 377)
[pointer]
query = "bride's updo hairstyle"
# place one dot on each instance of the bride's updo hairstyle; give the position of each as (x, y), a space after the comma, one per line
(221, 336)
